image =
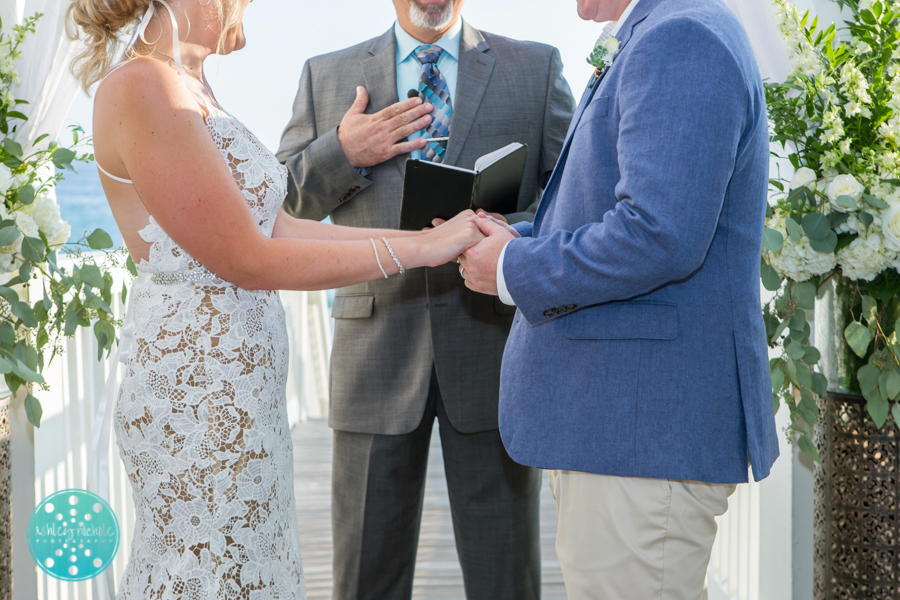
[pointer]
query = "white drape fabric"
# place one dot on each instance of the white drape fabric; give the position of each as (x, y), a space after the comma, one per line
(43, 68)
(758, 18)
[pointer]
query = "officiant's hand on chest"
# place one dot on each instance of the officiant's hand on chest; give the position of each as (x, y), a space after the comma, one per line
(370, 140)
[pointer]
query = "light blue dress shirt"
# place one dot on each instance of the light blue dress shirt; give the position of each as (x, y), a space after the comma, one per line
(409, 69)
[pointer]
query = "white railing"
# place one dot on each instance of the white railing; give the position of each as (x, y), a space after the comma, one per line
(76, 382)
(764, 548)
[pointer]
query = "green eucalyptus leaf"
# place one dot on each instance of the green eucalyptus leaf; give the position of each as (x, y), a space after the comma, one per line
(795, 350)
(792, 371)
(71, 323)
(99, 240)
(24, 373)
(807, 446)
(63, 156)
(878, 409)
(808, 401)
(6, 365)
(129, 264)
(826, 245)
(33, 410)
(34, 249)
(844, 240)
(26, 194)
(811, 355)
(9, 293)
(868, 379)
(820, 384)
(848, 202)
(804, 375)
(777, 379)
(837, 219)
(806, 295)
(9, 235)
(892, 387)
(816, 226)
(91, 275)
(798, 321)
(875, 202)
(24, 312)
(866, 219)
(794, 229)
(772, 239)
(13, 147)
(858, 337)
(771, 280)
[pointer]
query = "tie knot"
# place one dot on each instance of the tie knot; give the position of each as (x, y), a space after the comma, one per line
(428, 54)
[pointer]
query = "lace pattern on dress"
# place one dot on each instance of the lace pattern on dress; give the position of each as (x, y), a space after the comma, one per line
(201, 420)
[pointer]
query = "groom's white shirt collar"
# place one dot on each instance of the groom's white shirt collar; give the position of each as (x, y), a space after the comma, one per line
(502, 290)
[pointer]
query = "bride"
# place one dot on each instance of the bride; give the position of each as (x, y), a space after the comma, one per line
(200, 418)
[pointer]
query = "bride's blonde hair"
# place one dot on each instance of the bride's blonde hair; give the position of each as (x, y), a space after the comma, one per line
(103, 25)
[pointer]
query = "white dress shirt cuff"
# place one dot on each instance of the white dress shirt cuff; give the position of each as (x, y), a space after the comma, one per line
(502, 290)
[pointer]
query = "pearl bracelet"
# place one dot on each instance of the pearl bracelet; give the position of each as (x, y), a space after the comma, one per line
(378, 259)
(394, 256)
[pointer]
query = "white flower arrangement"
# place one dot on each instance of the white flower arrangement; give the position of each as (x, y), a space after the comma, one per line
(837, 119)
(32, 232)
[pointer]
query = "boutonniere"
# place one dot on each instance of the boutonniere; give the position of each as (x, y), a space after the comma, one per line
(603, 56)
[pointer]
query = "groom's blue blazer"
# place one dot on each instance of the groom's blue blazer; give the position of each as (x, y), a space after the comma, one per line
(639, 348)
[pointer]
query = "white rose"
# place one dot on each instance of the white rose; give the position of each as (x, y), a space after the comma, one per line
(7, 180)
(890, 227)
(804, 177)
(844, 185)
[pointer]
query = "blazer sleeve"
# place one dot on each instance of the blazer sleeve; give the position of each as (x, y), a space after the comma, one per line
(558, 110)
(684, 106)
(321, 177)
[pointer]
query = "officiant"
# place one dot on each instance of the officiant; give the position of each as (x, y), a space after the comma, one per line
(420, 347)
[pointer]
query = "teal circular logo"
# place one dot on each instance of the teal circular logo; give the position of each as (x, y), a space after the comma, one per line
(73, 535)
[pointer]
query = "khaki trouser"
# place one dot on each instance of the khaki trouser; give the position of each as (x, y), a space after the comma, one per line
(624, 538)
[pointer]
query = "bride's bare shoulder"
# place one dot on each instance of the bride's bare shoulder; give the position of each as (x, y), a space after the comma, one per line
(142, 87)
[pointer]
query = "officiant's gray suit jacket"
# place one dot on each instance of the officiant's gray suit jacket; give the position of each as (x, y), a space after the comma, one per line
(389, 333)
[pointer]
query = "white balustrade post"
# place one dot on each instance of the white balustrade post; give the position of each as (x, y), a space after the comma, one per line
(21, 446)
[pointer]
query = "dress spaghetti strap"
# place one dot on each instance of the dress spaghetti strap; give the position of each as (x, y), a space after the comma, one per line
(176, 56)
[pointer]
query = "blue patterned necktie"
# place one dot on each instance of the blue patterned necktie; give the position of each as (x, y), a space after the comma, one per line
(433, 88)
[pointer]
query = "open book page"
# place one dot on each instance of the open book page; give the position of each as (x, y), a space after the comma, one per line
(489, 159)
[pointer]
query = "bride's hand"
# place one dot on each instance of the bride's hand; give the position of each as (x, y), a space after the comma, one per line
(448, 240)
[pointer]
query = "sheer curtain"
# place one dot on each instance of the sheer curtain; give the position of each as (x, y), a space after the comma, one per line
(43, 67)
(758, 18)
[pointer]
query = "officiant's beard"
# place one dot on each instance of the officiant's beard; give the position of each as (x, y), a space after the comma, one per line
(431, 16)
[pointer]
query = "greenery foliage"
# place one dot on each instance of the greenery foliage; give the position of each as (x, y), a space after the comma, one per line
(837, 120)
(42, 302)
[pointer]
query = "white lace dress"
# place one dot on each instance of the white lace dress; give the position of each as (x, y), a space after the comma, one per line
(201, 419)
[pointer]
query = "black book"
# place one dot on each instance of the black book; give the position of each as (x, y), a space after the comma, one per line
(432, 190)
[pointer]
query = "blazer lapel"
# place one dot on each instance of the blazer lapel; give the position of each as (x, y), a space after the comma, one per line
(640, 13)
(475, 67)
(380, 76)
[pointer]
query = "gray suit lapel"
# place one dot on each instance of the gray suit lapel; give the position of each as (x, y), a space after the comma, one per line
(475, 67)
(380, 76)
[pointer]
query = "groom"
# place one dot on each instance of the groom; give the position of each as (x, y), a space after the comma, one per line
(637, 366)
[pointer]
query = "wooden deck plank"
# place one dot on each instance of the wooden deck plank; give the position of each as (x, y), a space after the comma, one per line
(438, 576)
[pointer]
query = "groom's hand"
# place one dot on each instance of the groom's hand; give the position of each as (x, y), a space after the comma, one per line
(478, 265)
(369, 140)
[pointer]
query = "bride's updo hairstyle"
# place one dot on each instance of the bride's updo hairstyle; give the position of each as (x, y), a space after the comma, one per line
(105, 26)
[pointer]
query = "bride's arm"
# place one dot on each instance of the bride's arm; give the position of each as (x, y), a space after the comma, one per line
(153, 125)
(287, 226)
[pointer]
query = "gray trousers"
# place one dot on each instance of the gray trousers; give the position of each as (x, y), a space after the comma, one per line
(378, 488)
